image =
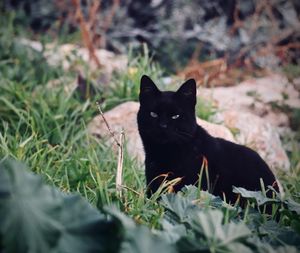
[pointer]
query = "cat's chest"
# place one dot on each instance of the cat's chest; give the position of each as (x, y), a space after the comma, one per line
(178, 164)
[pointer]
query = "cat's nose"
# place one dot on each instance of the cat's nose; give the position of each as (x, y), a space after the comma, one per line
(163, 125)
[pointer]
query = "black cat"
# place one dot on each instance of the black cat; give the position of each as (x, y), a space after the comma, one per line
(176, 145)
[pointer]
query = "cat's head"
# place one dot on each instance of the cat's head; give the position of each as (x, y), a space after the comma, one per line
(167, 116)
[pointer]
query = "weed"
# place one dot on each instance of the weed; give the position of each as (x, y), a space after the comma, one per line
(126, 85)
(205, 109)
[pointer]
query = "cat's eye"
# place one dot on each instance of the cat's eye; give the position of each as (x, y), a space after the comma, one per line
(153, 114)
(175, 116)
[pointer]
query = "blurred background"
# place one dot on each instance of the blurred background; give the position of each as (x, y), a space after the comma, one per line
(200, 39)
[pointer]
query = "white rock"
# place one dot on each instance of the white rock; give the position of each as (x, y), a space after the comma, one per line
(69, 56)
(120, 117)
(258, 134)
(258, 96)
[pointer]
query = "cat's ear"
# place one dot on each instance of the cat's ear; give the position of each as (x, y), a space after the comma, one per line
(187, 92)
(148, 88)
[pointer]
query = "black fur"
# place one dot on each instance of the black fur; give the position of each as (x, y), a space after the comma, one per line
(178, 146)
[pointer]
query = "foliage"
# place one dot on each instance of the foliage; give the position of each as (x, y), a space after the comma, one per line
(291, 71)
(16, 60)
(46, 127)
(205, 109)
(203, 30)
(47, 220)
(126, 84)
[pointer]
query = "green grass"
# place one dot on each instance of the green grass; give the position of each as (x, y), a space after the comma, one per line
(205, 109)
(291, 71)
(126, 84)
(47, 129)
(48, 132)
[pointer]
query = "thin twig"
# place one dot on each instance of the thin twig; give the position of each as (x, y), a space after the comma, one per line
(107, 125)
(120, 164)
(120, 151)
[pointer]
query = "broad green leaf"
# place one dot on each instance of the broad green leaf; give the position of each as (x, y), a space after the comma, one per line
(178, 207)
(292, 205)
(123, 220)
(170, 232)
(276, 235)
(267, 248)
(139, 239)
(192, 244)
(29, 211)
(209, 224)
(191, 192)
(195, 195)
(257, 195)
(233, 232)
(237, 247)
(295, 224)
(285, 249)
(38, 218)
(85, 229)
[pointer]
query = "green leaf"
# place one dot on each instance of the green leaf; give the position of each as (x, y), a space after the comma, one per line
(178, 207)
(292, 205)
(209, 224)
(286, 249)
(256, 195)
(85, 229)
(277, 235)
(38, 218)
(267, 248)
(238, 247)
(29, 211)
(139, 239)
(210, 235)
(170, 232)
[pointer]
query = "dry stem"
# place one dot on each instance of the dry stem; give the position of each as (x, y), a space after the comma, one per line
(120, 164)
(107, 125)
(120, 144)
(85, 33)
